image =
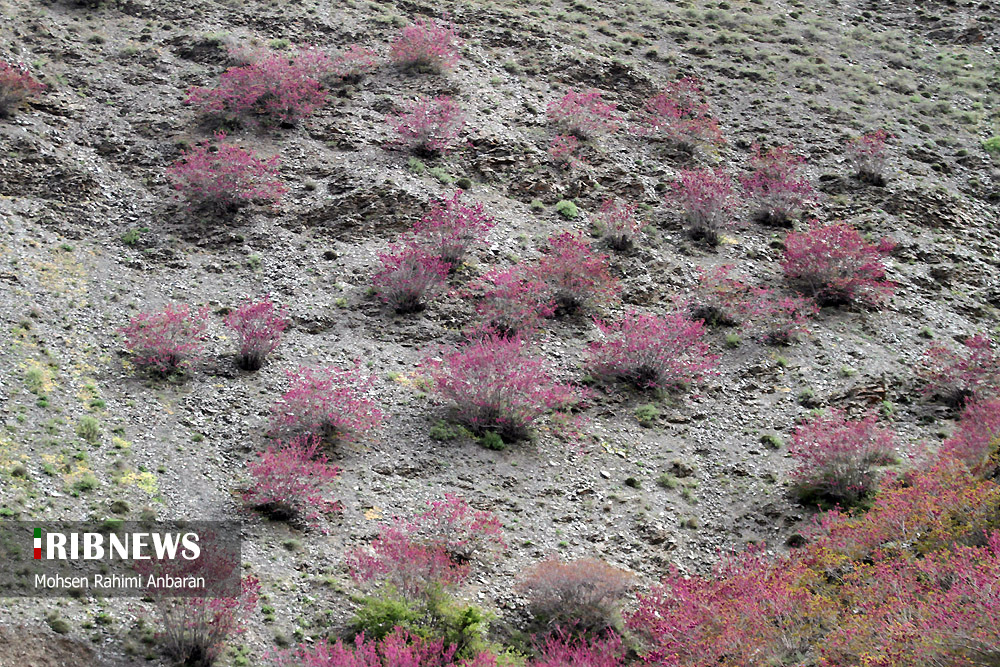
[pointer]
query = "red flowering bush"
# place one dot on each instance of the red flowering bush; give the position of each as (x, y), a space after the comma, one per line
(838, 458)
(976, 440)
(706, 198)
(650, 352)
(426, 45)
(494, 385)
(409, 275)
(222, 178)
(258, 326)
(560, 650)
(166, 341)
(16, 85)
(582, 596)
(619, 223)
(565, 151)
(776, 188)
(836, 265)
(575, 276)
(330, 403)
(583, 115)
(451, 228)
(867, 156)
(972, 371)
(509, 303)
(463, 532)
(399, 649)
(291, 481)
(275, 89)
(681, 115)
(430, 127)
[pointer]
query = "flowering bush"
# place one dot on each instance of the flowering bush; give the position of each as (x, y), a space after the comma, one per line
(494, 384)
(276, 89)
(166, 341)
(399, 649)
(619, 223)
(410, 567)
(976, 441)
(776, 188)
(583, 115)
(463, 532)
(705, 196)
(16, 85)
(450, 229)
(409, 275)
(867, 155)
(581, 596)
(223, 178)
(430, 127)
(836, 265)
(511, 303)
(575, 276)
(973, 371)
(354, 62)
(565, 151)
(838, 458)
(258, 326)
(291, 481)
(560, 650)
(426, 45)
(327, 402)
(649, 352)
(679, 114)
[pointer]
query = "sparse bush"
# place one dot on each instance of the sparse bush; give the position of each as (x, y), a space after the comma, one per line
(838, 458)
(650, 352)
(291, 481)
(511, 303)
(560, 650)
(583, 115)
(354, 63)
(430, 126)
(451, 228)
(718, 297)
(867, 156)
(773, 319)
(705, 197)
(494, 384)
(976, 440)
(776, 187)
(581, 596)
(619, 223)
(836, 265)
(464, 533)
(576, 278)
(222, 178)
(971, 372)
(565, 151)
(409, 275)
(330, 403)
(679, 114)
(16, 85)
(398, 649)
(166, 341)
(258, 326)
(426, 45)
(411, 567)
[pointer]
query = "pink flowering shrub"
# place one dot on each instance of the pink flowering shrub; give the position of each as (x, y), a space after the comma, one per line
(409, 276)
(510, 303)
(680, 115)
(494, 384)
(276, 89)
(16, 85)
(451, 228)
(330, 403)
(426, 45)
(565, 151)
(836, 265)
(291, 481)
(971, 372)
(165, 342)
(430, 126)
(838, 458)
(619, 223)
(580, 597)
(463, 532)
(560, 650)
(258, 326)
(867, 156)
(399, 649)
(577, 278)
(583, 115)
(976, 440)
(222, 178)
(706, 199)
(650, 351)
(776, 187)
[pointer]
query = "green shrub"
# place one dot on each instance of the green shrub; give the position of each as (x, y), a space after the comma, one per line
(89, 429)
(567, 209)
(992, 146)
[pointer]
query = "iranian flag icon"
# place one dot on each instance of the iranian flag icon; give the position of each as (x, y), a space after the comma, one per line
(38, 543)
